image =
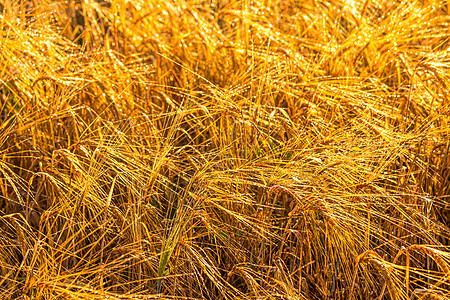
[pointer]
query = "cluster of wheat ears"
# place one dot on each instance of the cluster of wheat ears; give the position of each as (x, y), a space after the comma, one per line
(224, 149)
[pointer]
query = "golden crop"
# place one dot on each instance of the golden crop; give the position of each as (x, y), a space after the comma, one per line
(211, 149)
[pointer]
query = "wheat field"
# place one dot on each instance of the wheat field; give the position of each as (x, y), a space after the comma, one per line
(212, 149)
